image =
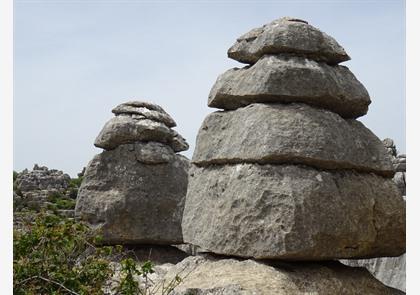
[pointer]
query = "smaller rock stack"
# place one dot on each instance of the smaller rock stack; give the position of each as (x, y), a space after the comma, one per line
(134, 191)
(285, 171)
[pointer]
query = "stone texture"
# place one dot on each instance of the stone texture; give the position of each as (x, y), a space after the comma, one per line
(292, 133)
(389, 270)
(145, 110)
(125, 129)
(291, 79)
(287, 35)
(293, 212)
(134, 194)
(213, 276)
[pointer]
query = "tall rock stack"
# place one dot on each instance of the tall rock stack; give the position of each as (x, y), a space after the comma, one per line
(134, 191)
(285, 171)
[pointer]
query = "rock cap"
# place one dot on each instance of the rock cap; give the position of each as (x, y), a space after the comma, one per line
(145, 110)
(287, 35)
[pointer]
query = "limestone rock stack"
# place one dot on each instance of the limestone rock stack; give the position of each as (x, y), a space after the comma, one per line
(284, 170)
(134, 191)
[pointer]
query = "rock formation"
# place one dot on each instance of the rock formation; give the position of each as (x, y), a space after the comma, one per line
(389, 270)
(285, 171)
(34, 187)
(134, 191)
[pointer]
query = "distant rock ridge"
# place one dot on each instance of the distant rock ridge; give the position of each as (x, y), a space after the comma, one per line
(134, 191)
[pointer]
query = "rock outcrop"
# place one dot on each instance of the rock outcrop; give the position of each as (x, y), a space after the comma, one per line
(134, 191)
(34, 188)
(285, 171)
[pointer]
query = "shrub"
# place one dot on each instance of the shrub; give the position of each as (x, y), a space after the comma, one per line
(57, 255)
(50, 257)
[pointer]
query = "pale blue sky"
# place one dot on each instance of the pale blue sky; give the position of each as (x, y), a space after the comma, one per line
(76, 60)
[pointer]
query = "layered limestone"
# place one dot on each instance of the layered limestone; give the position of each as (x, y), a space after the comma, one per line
(291, 79)
(285, 171)
(292, 133)
(287, 35)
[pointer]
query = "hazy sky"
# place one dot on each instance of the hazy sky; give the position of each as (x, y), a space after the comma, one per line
(76, 60)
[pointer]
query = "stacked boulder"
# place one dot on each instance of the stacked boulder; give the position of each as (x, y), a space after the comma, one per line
(134, 191)
(285, 171)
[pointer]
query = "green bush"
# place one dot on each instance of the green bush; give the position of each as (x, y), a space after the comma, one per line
(50, 257)
(75, 182)
(57, 255)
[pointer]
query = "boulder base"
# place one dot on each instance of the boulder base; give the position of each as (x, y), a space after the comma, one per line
(290, 133)
(135, 194)
(215, 276)
(292, 212)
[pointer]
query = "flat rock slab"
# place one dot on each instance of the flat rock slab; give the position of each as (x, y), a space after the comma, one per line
(125, 129)
(287, 35)
(293, 212)
(291, 79)
(290, 133)
(215, 276)
(135, 194)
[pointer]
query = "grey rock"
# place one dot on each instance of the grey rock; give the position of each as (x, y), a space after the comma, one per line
(292, 133)
(389, 270)
(399, 179)
(291, 79)
(287, 35)
(178, 143)
(145, 110)
(124, 129)
(134, 194)
(213, 276)
(293, 212)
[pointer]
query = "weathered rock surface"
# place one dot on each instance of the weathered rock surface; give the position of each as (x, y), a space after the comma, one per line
(291, 79)
(213, 276)
(389, 270)
(293, 212)
(125, 129)
(287, 35)
(292, 133)
(134, 194)
(145, 110)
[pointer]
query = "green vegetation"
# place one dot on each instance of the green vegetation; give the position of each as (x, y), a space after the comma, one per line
(57, 255)
(50, 257)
